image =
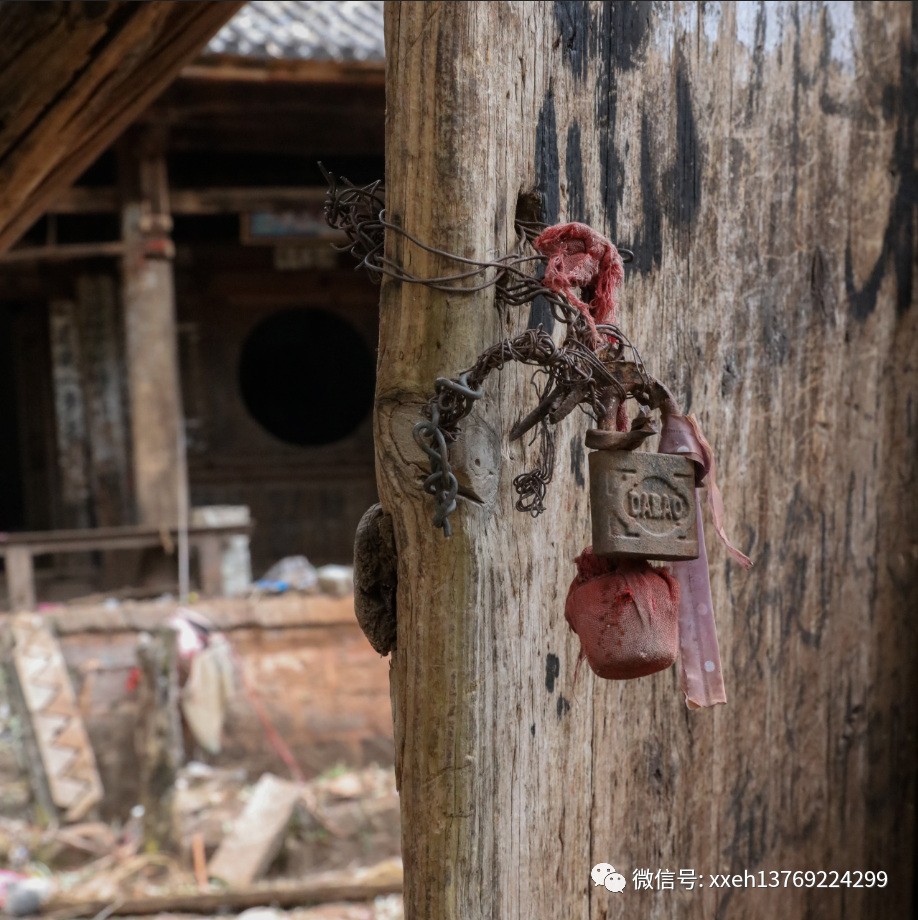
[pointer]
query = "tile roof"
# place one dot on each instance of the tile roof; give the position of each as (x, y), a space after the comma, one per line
(339, 30)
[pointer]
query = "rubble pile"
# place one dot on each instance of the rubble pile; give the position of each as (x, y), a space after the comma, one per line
(329, 830)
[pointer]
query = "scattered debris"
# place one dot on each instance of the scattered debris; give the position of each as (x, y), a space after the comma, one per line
(206, 801)
(7, 879)
(26, 896)
(311, 841)
(245, 854)
(294, 573)
(275, 842)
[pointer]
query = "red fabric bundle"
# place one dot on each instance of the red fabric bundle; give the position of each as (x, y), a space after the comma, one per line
(580, 257)
(625, 613)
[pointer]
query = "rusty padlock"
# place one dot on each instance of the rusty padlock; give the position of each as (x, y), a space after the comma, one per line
(642, 504)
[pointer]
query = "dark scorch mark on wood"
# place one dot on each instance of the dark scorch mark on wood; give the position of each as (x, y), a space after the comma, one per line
(548, 186)
(552, 670)
(648, 244)
(563, 706)
(573, 171)
(616, 45)
(686, 170)
(899, 236)
(758, 63)
(577, 458)
(572, 17)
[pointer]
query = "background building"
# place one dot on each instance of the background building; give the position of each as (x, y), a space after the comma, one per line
(215, 193)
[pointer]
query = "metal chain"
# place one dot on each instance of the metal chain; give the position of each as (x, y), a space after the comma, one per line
(442, 483)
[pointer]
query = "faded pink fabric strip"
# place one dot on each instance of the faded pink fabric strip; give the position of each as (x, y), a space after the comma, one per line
(700, 672)
(715, 499)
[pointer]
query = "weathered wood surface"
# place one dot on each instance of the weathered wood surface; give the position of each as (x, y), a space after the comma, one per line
(760, 161)
(74, 77)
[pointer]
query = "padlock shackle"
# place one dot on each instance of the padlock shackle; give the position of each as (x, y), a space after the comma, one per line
(634, 381)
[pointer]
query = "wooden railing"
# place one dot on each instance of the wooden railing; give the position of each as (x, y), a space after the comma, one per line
(19, 550)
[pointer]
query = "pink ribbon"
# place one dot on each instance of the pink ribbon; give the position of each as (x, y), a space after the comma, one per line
(700, 671)
(683, 435)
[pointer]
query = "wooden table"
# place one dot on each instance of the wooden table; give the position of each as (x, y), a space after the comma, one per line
(19, 549)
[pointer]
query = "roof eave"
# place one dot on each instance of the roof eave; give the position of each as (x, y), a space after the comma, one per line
(227, 67)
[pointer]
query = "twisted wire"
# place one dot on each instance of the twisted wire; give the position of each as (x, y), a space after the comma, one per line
(576, 369)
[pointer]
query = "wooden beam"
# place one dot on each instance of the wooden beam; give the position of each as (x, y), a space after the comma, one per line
(79, 199)
(134, 536)
(108, 62)
(283, 611)
(62, 252)
(82, 200)
(255, 70)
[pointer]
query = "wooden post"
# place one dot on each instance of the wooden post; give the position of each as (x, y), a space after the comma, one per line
(760, 161)
(159, 733)
(149, 314)
(20, 578)
(210, 563)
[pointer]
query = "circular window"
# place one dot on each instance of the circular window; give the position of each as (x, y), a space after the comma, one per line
(307, 376)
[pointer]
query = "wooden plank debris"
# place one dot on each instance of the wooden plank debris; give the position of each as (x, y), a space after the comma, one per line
(66, 753)
(246, 852)
(357, 885)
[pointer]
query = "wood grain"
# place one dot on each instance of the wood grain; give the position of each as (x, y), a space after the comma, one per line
(760, 161)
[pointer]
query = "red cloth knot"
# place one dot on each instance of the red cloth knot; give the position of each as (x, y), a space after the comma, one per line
(625, 613)
(580, 257)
